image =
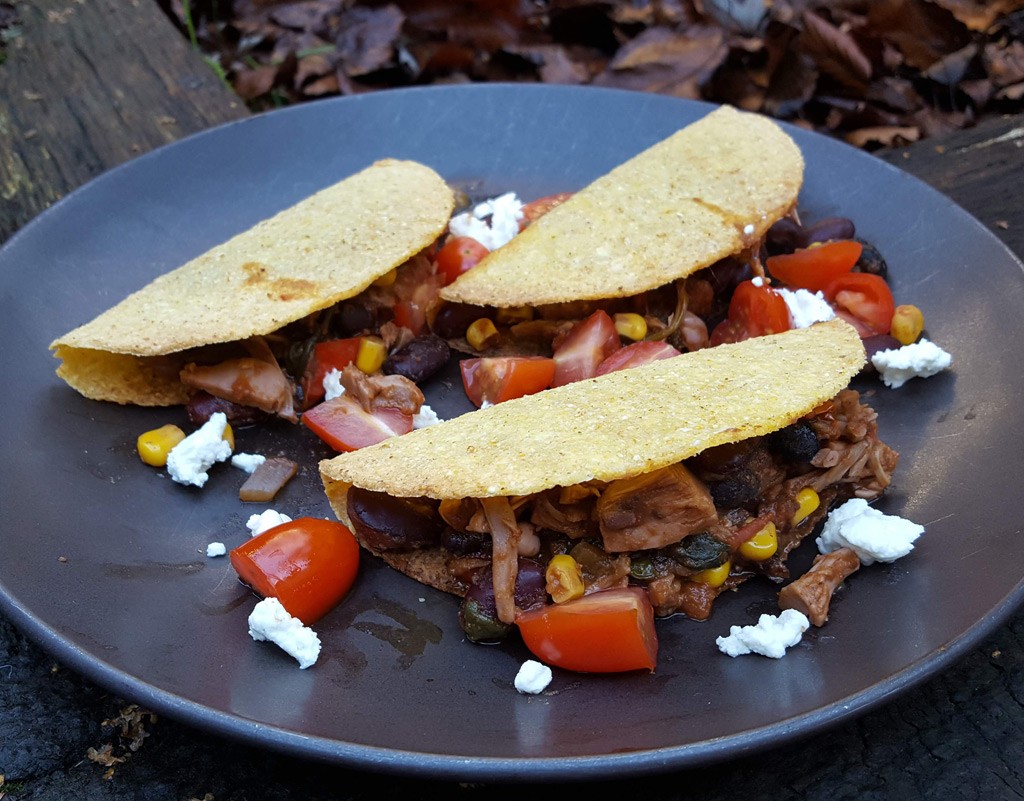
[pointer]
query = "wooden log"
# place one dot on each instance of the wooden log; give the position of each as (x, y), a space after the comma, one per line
(88, 84)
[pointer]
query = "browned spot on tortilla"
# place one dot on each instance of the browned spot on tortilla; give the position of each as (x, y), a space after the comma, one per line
(254, 272)
(292, 288)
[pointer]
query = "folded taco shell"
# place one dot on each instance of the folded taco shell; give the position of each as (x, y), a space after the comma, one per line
(324, 249)
(706, 192)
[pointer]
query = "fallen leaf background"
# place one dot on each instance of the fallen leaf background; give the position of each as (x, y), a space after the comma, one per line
(876, 73)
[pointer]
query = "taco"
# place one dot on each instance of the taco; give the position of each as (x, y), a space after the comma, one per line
(673, 476)
(239, 321)
(638, 240)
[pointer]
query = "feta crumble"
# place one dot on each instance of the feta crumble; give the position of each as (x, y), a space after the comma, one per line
(806, 307)
(247, 461)
(504, 211)
(875, 537)
(425, 417)
(533, 677)
(770, 637)
(257, 524)
(216, 549)
(189, 460)
(332, 385)
(270, 622)
(922, 359)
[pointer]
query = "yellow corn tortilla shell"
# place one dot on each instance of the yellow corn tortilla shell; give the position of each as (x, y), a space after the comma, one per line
(680, 205)
(614, 426)
(324, 249)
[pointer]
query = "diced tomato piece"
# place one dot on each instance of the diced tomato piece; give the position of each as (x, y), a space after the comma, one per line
(759, 309)
(588, 344)
(541, 206)
(605, 632)
(814, 268)
(864, 300)
(500, 378)
(459, 254)
(331, 354)
(415, 300)
(308, 564)
(636, 354)
(727, 331)
(344, 425)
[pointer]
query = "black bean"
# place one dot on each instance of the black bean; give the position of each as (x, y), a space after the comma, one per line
(478, 613)
(453, 319)
(419, 359)
(201, 405)
(794, 443)
(875, 344)
(785, 236)
(465, 543)
(871, 261)
(739, 488)
(353, 318)
(384, 522)
(830, 229)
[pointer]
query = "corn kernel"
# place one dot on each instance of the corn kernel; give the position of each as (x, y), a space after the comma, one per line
(631, 326)
(229, 436)
(907, 324)
(371, 354)
(762, 545)
(388, 279)
(714, 576)
(153, 446)
(514, 314)
(564, 579)
(807, 501)
(481, 334)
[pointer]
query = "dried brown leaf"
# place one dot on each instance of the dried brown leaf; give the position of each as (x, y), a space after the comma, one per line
(922, 32)
(885, 136)
(1004, 63)
(835, 52)
(667, 62)
(980, 16)
(253, 83)
(367, 38)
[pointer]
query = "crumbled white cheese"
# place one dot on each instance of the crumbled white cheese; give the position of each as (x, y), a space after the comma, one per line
(748, 229)
(425, 417)
(247, 461)
(257, 524)
(533, 677)
(919, 360)
(189, 460)
(332, 385)
(806, 308)
(216, 549)
(485, 404)
(270, 622)
(504, 213)
(758, 281)
(874, 536)
(770, 637)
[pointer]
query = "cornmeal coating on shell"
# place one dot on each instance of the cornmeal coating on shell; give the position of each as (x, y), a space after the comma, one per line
(614, 426)
(706, 192)
(324, 249)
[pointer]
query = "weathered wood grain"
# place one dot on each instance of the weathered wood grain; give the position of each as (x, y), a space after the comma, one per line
(88, 84)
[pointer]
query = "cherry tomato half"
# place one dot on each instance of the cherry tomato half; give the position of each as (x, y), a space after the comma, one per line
(605, 632)
(459, 254)
(588, 344)
(755, 311)
(500, 378)
(344, 425)
(332, 354)
(815, 267)
(864, 300)
(636, 354)
(308, 565)
(541, 206)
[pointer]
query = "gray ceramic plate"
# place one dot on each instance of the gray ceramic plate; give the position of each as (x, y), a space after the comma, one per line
(138, 607)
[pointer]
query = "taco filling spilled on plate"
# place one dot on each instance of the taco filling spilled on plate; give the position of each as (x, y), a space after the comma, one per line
(665, 485)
